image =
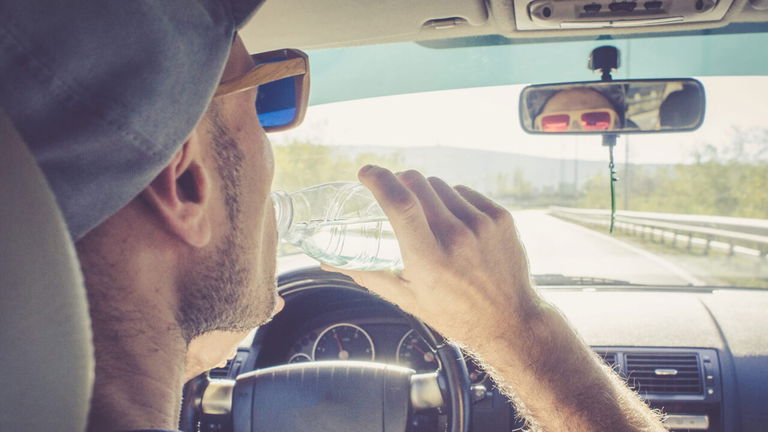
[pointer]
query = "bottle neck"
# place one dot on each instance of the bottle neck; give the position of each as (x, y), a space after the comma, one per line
(283, 212)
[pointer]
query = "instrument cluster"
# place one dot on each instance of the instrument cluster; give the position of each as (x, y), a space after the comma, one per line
(380, 342)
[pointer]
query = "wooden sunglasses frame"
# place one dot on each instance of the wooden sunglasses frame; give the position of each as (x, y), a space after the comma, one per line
(295, 64)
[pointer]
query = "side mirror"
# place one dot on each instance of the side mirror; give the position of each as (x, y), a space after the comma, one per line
(625, 107)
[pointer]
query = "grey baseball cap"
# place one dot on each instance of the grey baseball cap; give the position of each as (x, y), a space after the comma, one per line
(106, 91)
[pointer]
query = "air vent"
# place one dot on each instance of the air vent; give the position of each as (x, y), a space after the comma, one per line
(611, 359)
(221, 372)
(677, 374)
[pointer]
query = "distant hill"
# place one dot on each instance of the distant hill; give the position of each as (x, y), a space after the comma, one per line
(480, 168)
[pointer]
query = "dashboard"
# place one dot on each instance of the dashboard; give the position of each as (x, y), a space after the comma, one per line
(700, 356)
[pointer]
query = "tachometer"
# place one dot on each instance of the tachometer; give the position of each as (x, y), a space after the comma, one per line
(344, 342)
(413, 352)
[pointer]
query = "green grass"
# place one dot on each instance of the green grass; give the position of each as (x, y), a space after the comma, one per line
(714, 268)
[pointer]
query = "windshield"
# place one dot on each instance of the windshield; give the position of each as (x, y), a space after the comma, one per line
(693, 207)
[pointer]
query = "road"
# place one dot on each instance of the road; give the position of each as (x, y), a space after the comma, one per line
(558, 247)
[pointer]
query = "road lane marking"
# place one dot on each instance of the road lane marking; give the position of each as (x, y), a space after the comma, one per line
(678, 271)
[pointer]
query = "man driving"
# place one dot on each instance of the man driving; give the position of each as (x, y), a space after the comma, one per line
(164, 182)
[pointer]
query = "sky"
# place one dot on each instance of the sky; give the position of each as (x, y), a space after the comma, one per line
(487, 118)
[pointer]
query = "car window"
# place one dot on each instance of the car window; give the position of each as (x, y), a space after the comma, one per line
(688, 202)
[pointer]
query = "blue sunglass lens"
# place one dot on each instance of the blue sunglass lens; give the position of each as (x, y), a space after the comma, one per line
(276, 102)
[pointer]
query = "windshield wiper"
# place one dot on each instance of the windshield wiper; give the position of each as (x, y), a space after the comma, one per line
(559, 279)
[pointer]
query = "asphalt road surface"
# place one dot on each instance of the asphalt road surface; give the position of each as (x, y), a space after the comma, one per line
(560, 247)
(555, 246)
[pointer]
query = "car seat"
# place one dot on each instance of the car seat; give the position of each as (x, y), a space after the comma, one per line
(46, 353)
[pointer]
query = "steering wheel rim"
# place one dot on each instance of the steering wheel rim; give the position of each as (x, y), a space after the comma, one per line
(453, 378)
(453, 372)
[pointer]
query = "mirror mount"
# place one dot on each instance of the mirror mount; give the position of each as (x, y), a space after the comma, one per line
(604, 60)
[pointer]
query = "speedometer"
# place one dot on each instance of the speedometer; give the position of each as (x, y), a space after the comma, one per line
(344, 342)
(413, 352)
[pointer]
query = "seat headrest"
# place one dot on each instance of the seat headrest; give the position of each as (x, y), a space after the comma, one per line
(46, 359)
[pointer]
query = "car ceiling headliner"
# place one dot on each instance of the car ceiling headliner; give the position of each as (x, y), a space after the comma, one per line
(312, 24)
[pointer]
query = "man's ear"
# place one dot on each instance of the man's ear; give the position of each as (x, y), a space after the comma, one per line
(180, 195)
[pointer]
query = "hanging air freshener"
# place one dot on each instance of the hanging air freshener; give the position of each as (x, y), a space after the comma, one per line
(605, 60)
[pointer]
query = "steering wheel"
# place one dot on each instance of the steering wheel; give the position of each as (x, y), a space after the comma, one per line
(338, 395)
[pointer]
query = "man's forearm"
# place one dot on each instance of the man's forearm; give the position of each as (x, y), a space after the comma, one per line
(462, 254)
(558, 383)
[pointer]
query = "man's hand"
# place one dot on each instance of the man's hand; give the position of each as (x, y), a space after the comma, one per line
(465, 269)
(466, 274)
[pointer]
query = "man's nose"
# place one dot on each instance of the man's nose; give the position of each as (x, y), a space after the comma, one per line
(575, 123)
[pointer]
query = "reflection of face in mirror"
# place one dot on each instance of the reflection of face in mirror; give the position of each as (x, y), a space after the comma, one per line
(577, 109)
(613, 107)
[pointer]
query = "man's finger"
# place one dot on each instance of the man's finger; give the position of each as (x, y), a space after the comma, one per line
(438, 215)
(459, 206)
(401, 207)
(481, 202)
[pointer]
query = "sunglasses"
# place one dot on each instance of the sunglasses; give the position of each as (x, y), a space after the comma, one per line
(282, 78)
(590, 120)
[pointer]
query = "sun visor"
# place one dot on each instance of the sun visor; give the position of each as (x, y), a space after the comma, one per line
(347, 22)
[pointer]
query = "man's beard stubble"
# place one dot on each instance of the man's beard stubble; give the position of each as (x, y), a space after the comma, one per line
(220, 293)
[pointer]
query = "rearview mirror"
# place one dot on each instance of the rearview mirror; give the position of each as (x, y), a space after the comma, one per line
(629, 106)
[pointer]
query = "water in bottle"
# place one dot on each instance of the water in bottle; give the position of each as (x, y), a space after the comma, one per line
(339, 224)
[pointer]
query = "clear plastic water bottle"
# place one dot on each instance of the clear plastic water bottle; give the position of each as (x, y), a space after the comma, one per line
(339, 224)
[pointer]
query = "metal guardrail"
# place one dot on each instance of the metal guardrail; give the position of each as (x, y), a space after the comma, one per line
(736, 235)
